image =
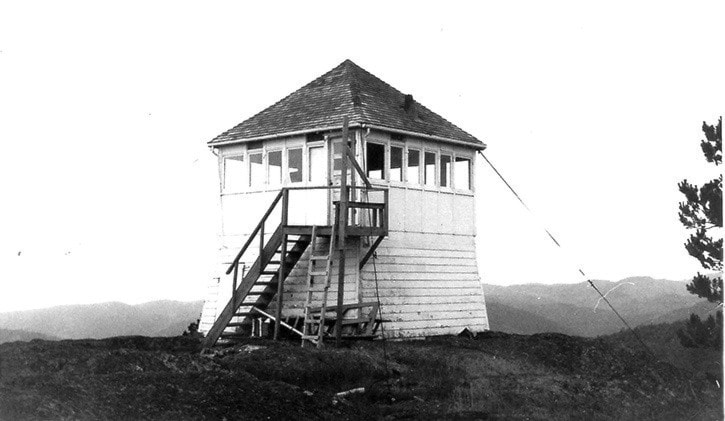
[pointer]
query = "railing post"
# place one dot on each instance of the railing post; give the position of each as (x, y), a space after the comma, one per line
(234, 285)
(282, 263)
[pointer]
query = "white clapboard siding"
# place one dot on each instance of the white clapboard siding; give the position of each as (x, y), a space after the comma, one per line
(427, 284)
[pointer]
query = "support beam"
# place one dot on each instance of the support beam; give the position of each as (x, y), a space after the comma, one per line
(342, 224)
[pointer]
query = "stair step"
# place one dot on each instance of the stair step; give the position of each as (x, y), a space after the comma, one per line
(246, 313)
(269, 272)
(234, 335)
(318, 257)
(318, 273)
(260, 293)
(274, 262)
(238, 324)
(265, 283)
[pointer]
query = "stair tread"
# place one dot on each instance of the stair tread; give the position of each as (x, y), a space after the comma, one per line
(318, 273)
(320, 257)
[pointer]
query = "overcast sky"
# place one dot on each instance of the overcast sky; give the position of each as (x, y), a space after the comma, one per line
(109, 192)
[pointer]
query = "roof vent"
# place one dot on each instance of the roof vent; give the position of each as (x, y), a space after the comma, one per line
(409, 106)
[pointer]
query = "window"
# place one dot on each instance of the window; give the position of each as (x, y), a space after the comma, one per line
(317, 169)
(430, 169)
(445, 170)
(413, 173)
(256, 169)
(396, 163)
(462, 173)
(233, 173)
(375, 161)
(274, 167)
(294, 165)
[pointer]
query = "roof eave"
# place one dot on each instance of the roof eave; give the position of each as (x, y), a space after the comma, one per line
(213, 144)
(480, 146)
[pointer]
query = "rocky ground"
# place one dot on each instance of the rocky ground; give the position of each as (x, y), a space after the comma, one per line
(492, 376)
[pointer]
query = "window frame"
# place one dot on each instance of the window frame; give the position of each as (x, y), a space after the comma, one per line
(385, 159)
(389, 164)
(287, 179)
(435, 153)
(312, 145)
(450, 155)
(470, 173)
(279, 149)
(419, 183)
(263, 183)
(243, 175)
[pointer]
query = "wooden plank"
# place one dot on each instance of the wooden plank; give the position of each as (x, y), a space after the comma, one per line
(426, 276)
(421, 269)
(425, 301)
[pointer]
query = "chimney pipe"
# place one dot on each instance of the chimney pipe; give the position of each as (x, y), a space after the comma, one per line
(409, 106)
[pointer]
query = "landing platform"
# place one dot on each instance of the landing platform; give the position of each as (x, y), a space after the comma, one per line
(325, 230)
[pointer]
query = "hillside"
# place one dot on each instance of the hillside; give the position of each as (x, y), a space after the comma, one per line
(12, 335)
(570, 308)
(494, 376)
(156, 318)
(662, 340)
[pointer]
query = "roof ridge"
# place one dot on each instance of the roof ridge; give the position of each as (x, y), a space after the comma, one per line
(347, 90)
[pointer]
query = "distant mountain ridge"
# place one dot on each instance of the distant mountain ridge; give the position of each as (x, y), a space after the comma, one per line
(524, 309)
(102, 320)
(570, 308)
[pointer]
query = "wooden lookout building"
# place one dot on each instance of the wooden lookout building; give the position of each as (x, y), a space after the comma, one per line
(344, 205)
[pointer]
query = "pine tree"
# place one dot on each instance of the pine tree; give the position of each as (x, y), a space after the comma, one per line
(702, 212)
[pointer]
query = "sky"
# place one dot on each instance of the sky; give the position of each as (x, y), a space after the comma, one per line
(109, 193)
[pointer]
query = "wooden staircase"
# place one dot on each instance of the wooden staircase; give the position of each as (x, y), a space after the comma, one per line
(258, 287)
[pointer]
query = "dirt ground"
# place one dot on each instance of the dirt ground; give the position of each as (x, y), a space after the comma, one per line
(492, 376)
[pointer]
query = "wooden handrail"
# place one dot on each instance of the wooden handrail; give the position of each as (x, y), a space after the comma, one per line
(256, 230)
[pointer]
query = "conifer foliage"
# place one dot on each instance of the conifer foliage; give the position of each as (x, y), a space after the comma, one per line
(702, 212)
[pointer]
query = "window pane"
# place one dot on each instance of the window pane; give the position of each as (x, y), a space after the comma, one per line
(317, 167)
(375, 161)
(274, 163)
(445, 171)
(233, 173)
(396, 163)
(256, 170)
(413, 174)
(430, 169)
(294, 165)
(462, 173)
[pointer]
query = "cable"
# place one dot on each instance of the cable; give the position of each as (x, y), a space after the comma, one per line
(560, 247)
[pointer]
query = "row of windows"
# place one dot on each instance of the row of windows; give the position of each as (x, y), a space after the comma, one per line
(257, 172)
(406, 166)
(409, 165)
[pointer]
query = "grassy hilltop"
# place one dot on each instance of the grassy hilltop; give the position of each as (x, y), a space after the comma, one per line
(492, 376)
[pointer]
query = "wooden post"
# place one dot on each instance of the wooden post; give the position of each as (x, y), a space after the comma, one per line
(234, 286)
(342, 225)
(282, 269)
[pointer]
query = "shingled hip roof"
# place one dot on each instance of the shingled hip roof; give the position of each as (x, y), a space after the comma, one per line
(347, 90)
